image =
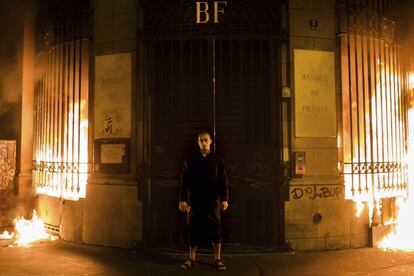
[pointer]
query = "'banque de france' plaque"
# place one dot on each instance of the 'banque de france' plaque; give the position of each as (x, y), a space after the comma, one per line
(113, 96)
(315, 108)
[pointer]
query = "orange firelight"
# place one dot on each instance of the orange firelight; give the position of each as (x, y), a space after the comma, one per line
(27, 232)
(401, 238)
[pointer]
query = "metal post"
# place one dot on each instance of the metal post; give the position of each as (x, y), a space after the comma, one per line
(214, 94)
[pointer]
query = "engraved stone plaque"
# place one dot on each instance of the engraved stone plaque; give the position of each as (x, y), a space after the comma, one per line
(315, 108)
(113, 96)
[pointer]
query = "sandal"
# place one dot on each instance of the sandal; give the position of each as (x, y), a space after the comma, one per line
(188, 263)
(219, 265)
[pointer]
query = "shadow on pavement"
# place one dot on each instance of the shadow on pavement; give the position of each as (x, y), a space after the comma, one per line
(147, 255)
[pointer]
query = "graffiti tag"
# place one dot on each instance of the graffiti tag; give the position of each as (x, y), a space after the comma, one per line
(316, 192)
(108, 124)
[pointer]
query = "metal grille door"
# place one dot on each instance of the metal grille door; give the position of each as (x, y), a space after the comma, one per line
(374, 103)
(222, 78)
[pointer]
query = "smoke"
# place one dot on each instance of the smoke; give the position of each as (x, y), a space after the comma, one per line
(11, 35)
(10, 86)
(406, 34)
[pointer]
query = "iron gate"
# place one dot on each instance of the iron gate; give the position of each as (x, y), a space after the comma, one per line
(207, 79)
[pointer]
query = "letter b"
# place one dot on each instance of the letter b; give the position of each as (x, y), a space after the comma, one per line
(204, 11)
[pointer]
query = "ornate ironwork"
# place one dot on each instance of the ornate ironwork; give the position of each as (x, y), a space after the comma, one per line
(61, 21)
(59, 167)
(376, 167)
(7, 177)
(7, 164)
(61, 98)
(374, 101)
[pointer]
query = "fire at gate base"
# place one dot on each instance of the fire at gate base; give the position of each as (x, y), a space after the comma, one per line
(396, 234)
(26, 232)
(400, 236)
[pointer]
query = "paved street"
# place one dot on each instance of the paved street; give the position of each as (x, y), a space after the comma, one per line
(64, 258)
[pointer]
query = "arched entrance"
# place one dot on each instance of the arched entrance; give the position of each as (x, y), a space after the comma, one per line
(225, 78)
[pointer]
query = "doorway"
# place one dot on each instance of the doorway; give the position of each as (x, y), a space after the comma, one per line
(228, 85)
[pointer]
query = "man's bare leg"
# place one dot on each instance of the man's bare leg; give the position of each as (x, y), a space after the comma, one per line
(191, 258)
(217, 257)
(193, 250)
(217, 251)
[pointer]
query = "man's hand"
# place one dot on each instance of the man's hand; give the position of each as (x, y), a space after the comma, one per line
(183, 206)
(224, 205)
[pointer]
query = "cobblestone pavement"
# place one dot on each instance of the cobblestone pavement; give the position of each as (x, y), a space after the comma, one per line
(64, 258)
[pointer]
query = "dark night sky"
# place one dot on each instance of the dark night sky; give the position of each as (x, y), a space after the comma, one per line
(407, 27)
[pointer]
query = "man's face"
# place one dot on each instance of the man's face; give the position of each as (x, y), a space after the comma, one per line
(204, 141)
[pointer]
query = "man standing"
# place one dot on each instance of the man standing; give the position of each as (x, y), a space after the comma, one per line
(204, 194)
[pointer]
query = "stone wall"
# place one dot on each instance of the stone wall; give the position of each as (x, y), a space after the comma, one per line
(317, 216)
(112, 212)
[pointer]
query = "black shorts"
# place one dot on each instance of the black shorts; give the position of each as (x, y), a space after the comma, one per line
(204, 227)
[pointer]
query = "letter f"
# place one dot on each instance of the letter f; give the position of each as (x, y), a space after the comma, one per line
(217, 10)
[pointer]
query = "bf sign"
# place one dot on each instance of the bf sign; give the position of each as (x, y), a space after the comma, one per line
(203, 11)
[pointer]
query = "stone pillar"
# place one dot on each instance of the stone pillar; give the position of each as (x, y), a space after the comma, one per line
(317, 215)
(112, 211)
(24, 179)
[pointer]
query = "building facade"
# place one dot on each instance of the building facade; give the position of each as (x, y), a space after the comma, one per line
(307, 102)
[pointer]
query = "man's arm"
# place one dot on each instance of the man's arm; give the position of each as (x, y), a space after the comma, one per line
(183, 195)
(223, 180)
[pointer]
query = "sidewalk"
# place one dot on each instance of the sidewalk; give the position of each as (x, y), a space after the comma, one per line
(64, 258)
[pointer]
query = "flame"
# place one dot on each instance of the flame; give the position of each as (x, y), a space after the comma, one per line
(360, 207)
(411, 81)
(6, 236)
(402, 237)
(369, 184)
(66, 183)
(27, 231)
